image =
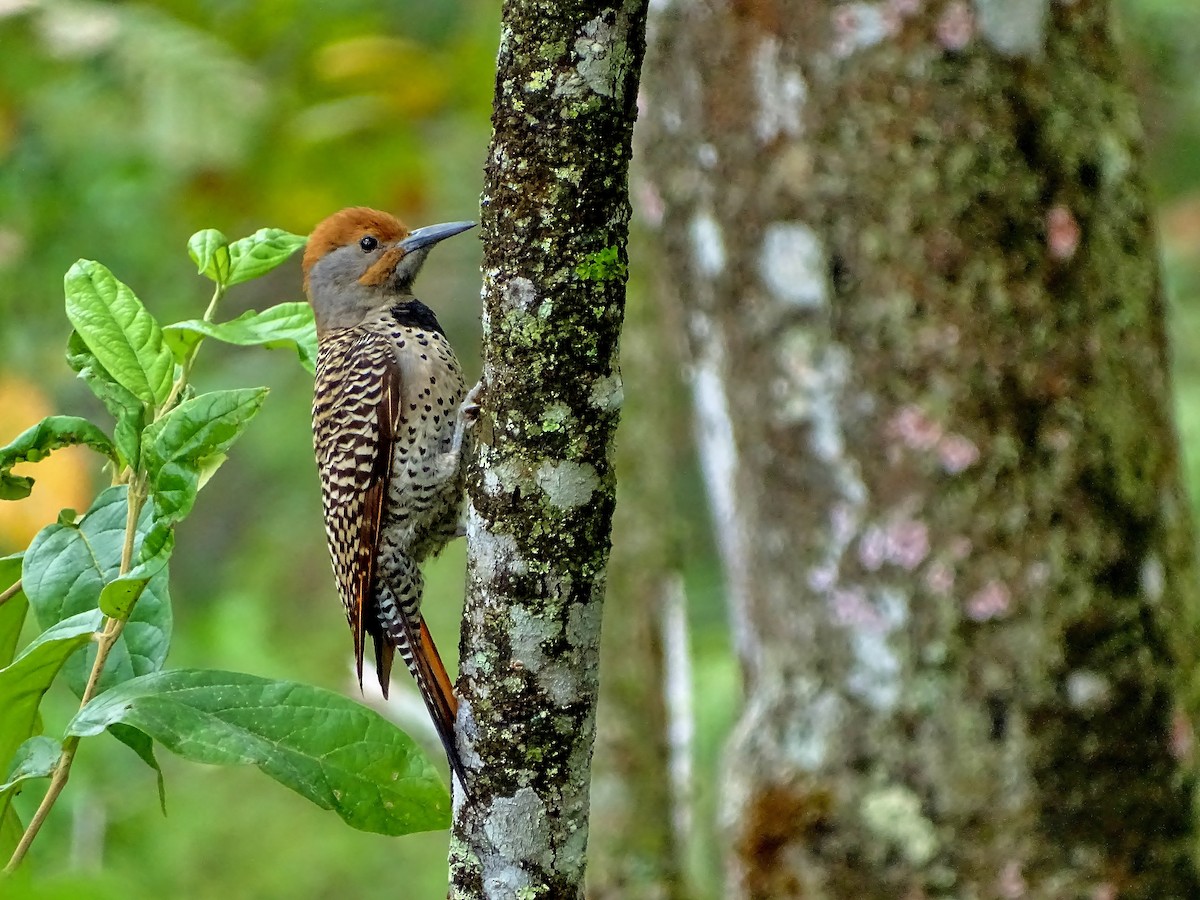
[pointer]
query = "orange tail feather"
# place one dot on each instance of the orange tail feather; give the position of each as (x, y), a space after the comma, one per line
(438, 694)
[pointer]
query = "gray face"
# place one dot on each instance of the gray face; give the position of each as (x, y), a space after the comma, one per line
(340, 300)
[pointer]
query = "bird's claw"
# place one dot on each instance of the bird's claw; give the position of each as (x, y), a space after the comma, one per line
(468, 410)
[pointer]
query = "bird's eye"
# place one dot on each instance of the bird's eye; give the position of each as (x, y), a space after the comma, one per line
(368, 244)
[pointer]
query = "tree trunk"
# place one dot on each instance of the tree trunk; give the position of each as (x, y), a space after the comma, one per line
(641, 776)
(555, 216)
(930, 373)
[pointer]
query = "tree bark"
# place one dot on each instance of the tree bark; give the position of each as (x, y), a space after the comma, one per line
(642, 768)
(927, 336)
(555, 217)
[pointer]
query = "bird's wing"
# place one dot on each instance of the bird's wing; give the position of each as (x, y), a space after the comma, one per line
(356, 413)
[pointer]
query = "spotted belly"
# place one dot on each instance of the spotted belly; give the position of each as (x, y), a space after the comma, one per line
(426, 494)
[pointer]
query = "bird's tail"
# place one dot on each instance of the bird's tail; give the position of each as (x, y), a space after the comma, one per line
(438, 694)
(415, 644)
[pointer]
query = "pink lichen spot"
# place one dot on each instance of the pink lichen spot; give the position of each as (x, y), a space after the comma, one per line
(989, 602)
(1062, 233)
(859, 25)
(851, 609)
(907, 543)
(1183, 737)
(872, 548)
(914, 428)
(957, 453)
(960, 547)
(939, 579)
(1011, 883)
(956, 27)
(1106, 890)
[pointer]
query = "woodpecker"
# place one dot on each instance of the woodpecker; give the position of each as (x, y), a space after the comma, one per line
(392, 423)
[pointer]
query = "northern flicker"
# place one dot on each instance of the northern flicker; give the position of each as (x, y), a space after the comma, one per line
(391, 425)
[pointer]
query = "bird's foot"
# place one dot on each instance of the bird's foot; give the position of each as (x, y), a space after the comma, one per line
(468, 410)
(468, 418)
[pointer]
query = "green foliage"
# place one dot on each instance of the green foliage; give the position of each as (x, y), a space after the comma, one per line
(12, 610)
(119, 331)
(128, 411)
(29, 676)
(286, 325)
(260, 253)
(209, 250)
(190, 442)
(99, 584)
(35, 758)
(26, 680)
(36, 443)
(68, 566)
(345, 758)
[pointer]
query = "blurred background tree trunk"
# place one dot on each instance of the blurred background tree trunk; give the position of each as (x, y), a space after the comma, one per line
(913, 247)
(642, 767)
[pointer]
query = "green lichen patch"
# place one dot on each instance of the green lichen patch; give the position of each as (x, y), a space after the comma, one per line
(603, 265)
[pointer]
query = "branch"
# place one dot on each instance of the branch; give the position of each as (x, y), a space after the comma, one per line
(9, 592)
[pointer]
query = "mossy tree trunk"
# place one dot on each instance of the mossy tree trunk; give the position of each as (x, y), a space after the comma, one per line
(642, 770)
(555, 217)
(927, 336)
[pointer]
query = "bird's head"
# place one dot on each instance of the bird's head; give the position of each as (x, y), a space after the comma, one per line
(360, 259)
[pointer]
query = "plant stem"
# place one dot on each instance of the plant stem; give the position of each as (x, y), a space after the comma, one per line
(9, 592)
(185, 369)
(105, 641)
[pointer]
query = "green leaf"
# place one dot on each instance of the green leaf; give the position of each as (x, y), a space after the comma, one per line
(128, 410)
(36, 758)
(119, 331)
(25, 680)
(261, 252)
(12, 610)
(38, 441)
(201, 427)
(141, 744)
(118, 597)
(287, 325)
(65, 570)
(209, 250)
(189, 441)
(174, 493)
(11, 830)
(338, 754)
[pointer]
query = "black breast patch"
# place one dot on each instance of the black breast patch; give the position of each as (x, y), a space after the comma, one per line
(415, 314)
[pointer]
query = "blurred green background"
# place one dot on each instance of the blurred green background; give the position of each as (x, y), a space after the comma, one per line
(126, 127)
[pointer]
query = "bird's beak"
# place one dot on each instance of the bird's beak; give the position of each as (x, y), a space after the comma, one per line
(431, 234)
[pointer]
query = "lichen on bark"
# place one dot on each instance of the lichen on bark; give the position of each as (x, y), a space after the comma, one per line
(542, 487)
